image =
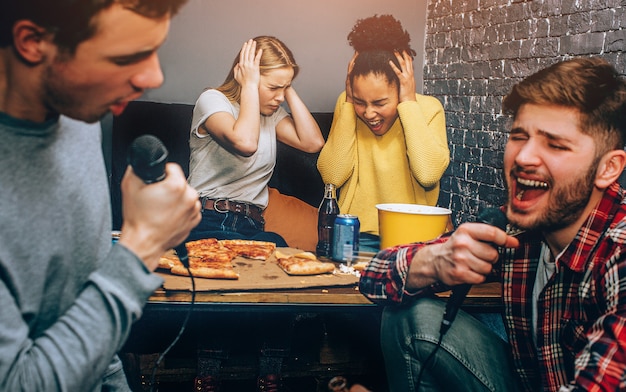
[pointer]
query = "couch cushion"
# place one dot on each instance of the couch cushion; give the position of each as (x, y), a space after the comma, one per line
(293, 219)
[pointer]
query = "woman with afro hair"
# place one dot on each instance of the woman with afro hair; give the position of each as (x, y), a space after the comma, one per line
(387, 144)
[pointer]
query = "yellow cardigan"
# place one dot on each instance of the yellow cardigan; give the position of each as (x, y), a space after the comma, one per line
(404, 165)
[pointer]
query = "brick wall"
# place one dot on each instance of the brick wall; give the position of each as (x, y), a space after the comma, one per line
(476, 50)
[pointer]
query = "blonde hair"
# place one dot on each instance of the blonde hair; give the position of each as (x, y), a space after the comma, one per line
(275, 55)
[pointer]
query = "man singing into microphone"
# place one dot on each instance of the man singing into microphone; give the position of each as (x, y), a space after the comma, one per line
(68, 296)
(564, 278)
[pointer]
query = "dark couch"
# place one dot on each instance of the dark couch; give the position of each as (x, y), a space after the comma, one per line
(295, 173)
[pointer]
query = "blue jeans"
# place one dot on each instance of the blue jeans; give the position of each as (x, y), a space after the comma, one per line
(230, 225)
(471, 357)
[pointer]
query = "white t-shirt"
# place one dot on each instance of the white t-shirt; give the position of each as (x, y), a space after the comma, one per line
(218, 173)
(545, 269)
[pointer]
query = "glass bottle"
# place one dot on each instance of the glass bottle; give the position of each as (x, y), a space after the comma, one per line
(328, 211)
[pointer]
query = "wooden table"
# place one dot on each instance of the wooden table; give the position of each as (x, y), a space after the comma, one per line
(357, 357)
(484, 297)
(263, 285)
(319, 353)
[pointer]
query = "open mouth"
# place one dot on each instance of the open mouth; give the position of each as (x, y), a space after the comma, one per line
(375, 125)
(529, 189)
(118, 107)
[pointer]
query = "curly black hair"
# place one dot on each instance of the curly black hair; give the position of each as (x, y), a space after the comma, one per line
(380, 33)
(376, 39)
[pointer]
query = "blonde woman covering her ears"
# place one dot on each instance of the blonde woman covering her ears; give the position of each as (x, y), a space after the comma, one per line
(233, 138)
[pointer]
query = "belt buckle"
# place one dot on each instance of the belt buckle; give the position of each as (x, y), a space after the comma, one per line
(216, 208)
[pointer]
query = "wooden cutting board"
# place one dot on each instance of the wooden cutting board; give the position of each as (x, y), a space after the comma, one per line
(259, 275)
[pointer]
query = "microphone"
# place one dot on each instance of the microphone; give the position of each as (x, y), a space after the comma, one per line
(491, 216)
(147, 156)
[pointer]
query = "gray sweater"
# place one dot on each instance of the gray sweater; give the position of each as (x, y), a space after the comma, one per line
(68, 296)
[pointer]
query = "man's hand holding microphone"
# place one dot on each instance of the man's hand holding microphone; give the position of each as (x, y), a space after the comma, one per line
(159, 209)
(467, 257)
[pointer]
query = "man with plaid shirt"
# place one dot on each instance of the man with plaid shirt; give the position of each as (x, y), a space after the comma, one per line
(563, 278)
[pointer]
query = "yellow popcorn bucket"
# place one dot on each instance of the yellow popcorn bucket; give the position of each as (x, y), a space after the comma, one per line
(405, 223)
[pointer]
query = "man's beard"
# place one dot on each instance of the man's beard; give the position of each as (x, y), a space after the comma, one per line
(566, 203)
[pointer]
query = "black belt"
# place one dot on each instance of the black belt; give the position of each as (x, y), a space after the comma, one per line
(238, 207)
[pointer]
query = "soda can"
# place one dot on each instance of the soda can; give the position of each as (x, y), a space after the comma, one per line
(345, 237)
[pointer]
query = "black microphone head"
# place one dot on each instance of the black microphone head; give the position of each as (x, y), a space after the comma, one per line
(147, 156)
(494, 217)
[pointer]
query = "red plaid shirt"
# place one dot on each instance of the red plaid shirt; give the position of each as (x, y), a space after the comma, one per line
(581, 312)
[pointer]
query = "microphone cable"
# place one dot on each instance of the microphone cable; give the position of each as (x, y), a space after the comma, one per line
(148, 156)
(426, 363)
(182, 327)
(491, 216)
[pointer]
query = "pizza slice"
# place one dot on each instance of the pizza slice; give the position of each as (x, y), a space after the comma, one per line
(169, 260)
(208, 259)
(303, 263)
(257, 250)
(209, 250)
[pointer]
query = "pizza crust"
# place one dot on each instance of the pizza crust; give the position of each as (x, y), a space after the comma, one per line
(304, 263)
(205, 272)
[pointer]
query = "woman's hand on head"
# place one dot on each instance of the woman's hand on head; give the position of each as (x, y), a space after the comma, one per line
(405, 75)
(348, 85)
(247, 71)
